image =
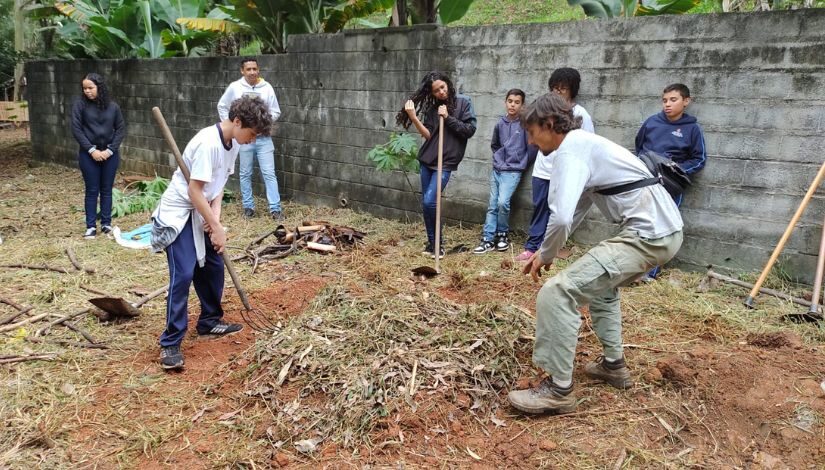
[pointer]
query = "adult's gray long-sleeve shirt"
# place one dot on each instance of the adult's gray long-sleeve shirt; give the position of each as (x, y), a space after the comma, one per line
(585, 163)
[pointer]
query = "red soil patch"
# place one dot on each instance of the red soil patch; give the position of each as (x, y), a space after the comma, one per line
(203, 392)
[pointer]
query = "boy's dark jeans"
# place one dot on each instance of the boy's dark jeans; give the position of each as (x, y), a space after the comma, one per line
(99, 178)
(541, 212)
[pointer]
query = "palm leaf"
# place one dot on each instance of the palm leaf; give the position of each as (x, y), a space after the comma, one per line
(667, 7)
(339, 16)
(452, 10)
(210, 24)
(598, 8)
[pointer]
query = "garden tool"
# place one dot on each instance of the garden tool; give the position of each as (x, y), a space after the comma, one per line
(785, 236)
(256, 319)
(426, 270)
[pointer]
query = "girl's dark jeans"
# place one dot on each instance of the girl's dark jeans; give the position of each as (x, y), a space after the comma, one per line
(99, 178)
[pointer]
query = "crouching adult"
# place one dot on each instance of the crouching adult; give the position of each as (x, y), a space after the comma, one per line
(590, 169)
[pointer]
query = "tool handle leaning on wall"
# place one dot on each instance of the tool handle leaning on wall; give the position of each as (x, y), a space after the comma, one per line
(167, 135)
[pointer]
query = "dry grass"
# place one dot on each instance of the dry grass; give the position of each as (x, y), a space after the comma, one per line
(352, 352)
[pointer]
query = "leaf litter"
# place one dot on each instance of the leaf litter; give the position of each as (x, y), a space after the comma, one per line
(370, 355)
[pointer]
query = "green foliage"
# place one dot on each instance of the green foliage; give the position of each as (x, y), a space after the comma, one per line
(140, 196)
(400, 153)
(123, 28)
(665, 7)
(270, 22)
(452, 10)
(628, 8)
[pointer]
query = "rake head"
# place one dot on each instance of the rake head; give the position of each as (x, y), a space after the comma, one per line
(258, 321)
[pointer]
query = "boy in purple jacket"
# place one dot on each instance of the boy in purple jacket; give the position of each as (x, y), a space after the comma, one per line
(676, 135)
(511, 156)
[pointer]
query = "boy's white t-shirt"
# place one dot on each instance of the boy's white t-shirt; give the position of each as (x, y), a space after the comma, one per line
(208, 160)
(544, 163)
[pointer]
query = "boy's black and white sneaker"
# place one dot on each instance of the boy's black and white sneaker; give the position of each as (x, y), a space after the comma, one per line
(440, 253)
(171, 358)
(221, 329)
(485, 246)
(248, 213)
(106, 229)
(428, 249)
(90, 233)
(502, 242)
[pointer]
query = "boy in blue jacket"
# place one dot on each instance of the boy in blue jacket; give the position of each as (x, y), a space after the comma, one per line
(676, 135)
(511, 157)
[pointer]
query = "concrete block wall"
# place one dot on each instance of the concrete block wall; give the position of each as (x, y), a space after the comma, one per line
(757, 80)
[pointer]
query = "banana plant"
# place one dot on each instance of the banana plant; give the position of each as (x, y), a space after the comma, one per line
(271, 21)
(124, 28)
(629, 8)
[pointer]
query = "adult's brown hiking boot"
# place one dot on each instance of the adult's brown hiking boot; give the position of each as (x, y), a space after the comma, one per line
(546, 398)
(613, 373)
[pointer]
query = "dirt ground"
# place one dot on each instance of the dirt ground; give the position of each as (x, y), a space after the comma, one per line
(717, 386)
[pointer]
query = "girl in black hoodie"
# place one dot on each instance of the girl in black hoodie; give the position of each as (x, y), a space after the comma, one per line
(436, 97)
(98, 127)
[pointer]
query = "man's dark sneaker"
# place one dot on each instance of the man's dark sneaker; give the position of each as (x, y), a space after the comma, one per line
(248, 213)
(106, 229)
(546, 398)
(221, 329)
(171, 358)
(428, 249)
(277, 215)
(90, 233)
(440, 253)
(502, 242)
(613, 373)
(485, 246)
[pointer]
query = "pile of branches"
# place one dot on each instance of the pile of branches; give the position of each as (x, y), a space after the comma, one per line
(317, 236)
(357, 359)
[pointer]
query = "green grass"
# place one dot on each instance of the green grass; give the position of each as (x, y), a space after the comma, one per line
(484, 12)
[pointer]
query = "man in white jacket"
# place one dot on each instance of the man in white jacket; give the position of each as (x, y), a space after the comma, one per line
(590, 170)
(251, 84)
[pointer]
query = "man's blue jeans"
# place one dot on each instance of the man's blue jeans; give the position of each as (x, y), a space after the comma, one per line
(264, 151)
(429, 189)
(502, 186)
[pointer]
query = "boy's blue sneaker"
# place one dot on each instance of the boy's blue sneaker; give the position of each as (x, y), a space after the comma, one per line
(171, 358)
(485, 246)
(502, 242)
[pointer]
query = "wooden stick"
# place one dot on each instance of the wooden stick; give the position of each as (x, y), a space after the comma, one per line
(763, 290)
(820, 269)
(67, 343)
(71, 316)
(260, 239)
(437, 247)
(11, 303)
(95, 291)
(320, 247)
(76, 264)
(17, 325)
(150, 296)
(785, 236)
(32, 357)
(13, 316)
(85, 334)
(20, 310)
(41, 267)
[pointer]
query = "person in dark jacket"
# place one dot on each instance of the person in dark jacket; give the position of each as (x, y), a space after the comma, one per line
(511, 156)
(676, 135)
(436, 96)
(98, 126)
